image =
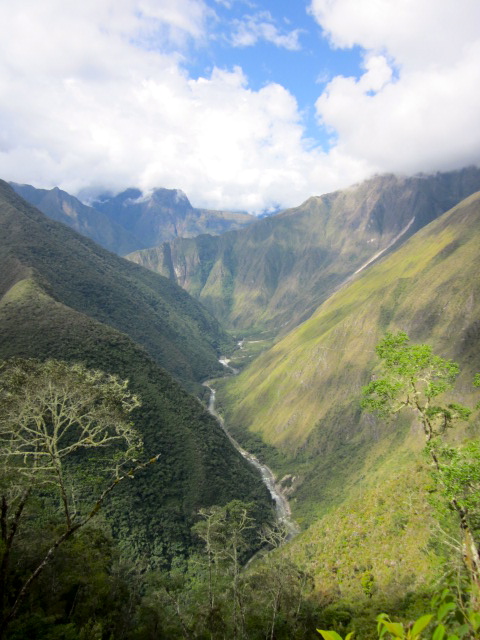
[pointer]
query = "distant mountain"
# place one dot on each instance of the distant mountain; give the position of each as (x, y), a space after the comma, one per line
(166, 214)
(130, 221)
(273, 274)
(157, 314)
(62, 296)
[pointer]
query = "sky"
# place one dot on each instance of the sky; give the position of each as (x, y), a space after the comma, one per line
(250, 105)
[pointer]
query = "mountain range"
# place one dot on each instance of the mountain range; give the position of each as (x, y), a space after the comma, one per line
(323, 281)
(358, 483)
(132, 220)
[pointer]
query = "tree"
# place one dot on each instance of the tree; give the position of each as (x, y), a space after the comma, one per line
(56, 420)
(223, 531)
(413, 376)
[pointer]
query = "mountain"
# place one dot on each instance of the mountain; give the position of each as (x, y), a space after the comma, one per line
(157, 314)
(166, 214)
(359, 484)
(274, 274)
(62, 207)
(302, 397)
(130, 221)
(63, 297)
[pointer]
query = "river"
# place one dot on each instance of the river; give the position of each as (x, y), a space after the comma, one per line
(282, 508)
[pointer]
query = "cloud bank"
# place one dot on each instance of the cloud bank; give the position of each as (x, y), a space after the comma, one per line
(97, 95)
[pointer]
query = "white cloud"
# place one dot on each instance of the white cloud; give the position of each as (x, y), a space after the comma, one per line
(96, 95)
(261, 26)
(91, 97)
(416, 106)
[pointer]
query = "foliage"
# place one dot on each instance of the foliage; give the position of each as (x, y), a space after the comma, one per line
(49, 413)
(413, 376)
(215, 595)
(333, 635)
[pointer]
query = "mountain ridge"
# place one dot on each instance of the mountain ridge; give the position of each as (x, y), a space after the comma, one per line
(132, 220)
(153, 311)
(274, 274)
(302, 396)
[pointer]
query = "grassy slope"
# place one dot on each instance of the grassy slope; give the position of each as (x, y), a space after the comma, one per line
(302, 396)
(176, 330)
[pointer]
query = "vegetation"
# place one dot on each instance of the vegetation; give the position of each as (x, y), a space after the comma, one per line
(388, 496)
(413, 377)
(178, 333)
(302, 397)
(49, 412)
(152, 518)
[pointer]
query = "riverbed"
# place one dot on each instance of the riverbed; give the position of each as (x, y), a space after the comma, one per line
(282, 507)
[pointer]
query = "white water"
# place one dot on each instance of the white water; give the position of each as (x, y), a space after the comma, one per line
(282, 508)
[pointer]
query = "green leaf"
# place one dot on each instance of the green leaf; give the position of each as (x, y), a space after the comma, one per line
(444, 609)
(474, 618)
(464, 629)
(421, 624)
(395, 628)
(439, 632)
(329, 635)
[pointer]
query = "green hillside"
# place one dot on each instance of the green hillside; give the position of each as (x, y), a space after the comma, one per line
(302, 397)
(157, 314)
(275, 273)
(57, 290)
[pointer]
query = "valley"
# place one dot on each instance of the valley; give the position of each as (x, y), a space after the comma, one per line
(249, 351)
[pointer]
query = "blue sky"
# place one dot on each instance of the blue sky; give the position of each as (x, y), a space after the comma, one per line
(280, 42)
(243, 104)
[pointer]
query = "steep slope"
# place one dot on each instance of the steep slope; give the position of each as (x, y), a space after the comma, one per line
(175, 329)
(277, 271)
(302, 397)
(62, 207)
(198, 466)
(166, 214)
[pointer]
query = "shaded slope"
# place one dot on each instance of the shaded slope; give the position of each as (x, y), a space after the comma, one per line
(175, 329)
(277, 271)
(303, 395)
(198, 466)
